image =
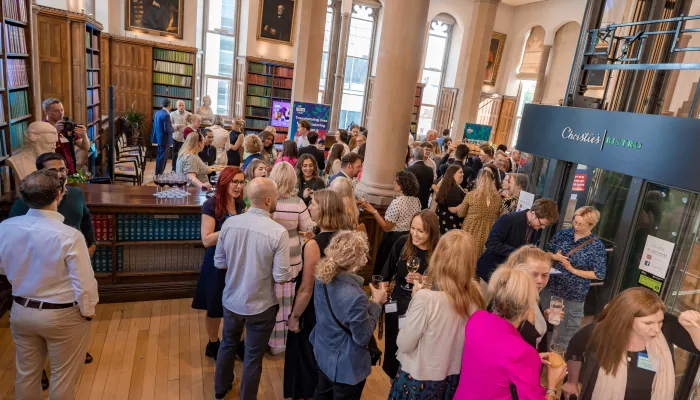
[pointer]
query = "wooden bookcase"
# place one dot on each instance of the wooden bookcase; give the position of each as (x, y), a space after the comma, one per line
(260, 82)
(16, 97)
(417, 100)
(136, 70)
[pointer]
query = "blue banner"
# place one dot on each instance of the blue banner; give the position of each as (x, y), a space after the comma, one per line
(477, 134)
(318, 116)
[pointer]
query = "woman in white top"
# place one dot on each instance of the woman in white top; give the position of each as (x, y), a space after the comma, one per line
(431, 339)
(221, 140)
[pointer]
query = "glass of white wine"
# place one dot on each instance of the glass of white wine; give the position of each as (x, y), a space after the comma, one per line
(412, 264)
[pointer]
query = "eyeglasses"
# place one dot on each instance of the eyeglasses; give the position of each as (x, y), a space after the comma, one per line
(238, 183)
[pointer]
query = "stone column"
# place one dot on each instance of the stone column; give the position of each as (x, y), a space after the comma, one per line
(309, 50)
(398, 69)
(345, 11)
(541, 75)
(475, 54)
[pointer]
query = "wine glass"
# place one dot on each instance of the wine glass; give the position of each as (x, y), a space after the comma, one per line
(412, 265)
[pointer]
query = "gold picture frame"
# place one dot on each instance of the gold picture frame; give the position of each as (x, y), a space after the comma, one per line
(498, 43)
(275, 25)
(161, 18)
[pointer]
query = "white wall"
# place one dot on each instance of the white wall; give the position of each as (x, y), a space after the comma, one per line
(249, 45)
(560, 60)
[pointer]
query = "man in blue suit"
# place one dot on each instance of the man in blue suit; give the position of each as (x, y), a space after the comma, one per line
(350, 166)
(162, 135)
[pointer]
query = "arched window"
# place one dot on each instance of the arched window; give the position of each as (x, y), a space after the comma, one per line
(436, 54)
(219, 54)
(357, 64)
(327, 36)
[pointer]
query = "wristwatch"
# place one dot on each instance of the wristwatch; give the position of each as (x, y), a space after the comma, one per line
(550, 392)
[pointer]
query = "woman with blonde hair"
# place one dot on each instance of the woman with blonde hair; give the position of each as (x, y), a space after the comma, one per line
(254, 147)
(300, 367)
(431, 339)
(480, 207)
(292, 214)
(189, 163)
(221, 140)
(344, 187)
(628, 352)
(345, 319)
(193, 122)
(235, 141)
(497, 362)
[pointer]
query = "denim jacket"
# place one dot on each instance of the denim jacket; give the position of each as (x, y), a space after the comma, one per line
(342, 358)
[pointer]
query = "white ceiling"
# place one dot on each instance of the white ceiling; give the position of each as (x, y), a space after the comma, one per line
(516, 3)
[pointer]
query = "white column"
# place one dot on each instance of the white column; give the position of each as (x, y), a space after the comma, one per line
(541, 75)
(345, 11)
(309, 50)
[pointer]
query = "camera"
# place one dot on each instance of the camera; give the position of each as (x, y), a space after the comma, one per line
(68, 126)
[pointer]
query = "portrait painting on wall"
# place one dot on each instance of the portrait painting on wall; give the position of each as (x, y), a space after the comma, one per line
(498, 42)
(155, 17)
(276, 21)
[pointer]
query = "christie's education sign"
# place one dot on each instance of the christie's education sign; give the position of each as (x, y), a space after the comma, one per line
(653, 147)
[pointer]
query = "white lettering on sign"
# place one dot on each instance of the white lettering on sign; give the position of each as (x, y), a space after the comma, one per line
(587, 137)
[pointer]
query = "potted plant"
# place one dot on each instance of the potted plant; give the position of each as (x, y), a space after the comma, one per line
(133, 119)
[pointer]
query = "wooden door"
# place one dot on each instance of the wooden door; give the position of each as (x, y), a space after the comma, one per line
(506, 117)
(446, 109)
(489, 110)
(54, 59)
(131, 66)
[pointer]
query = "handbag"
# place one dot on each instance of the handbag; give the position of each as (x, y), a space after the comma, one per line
(374, 353)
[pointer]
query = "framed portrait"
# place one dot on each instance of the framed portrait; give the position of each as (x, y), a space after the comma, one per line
(498, 42)
(276, 21)
(155, 17)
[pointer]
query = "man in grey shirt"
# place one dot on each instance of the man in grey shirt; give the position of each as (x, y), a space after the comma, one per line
(254, 250)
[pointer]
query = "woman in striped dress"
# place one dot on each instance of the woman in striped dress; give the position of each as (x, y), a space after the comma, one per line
(291, 212)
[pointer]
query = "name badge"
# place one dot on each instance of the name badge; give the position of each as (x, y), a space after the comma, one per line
(643, 362)
(402, 319)
(391, 307)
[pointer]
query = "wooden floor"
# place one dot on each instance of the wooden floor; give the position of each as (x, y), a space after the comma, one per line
(155, 350)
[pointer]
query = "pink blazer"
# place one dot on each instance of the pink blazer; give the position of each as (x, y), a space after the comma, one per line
(495, 355)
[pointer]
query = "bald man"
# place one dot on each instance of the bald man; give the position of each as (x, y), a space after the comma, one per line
(254, 250)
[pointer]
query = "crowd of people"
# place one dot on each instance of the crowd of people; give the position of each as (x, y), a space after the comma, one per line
(472, 301)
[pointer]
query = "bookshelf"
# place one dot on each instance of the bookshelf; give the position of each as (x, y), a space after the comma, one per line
(94, 91)
(263, 82)
(15, 75)
(173, 77)
(417, 100)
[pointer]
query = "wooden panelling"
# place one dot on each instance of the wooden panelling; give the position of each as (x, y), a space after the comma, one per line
(446, 109)
(53, 63)
(506, 117)
(105, 68)
(78, 68)
(131, 66)
(489, 109)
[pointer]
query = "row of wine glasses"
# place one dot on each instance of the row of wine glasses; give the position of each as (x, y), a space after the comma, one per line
(176, 183)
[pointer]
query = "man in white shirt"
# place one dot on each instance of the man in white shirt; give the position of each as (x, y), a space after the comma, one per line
(254, 251)
(303, 129)
(53, 288)
(179, 120)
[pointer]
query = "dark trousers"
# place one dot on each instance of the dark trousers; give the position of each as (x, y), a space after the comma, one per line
(176, 149)
(329, 390)
(162, 158)
(258, 329)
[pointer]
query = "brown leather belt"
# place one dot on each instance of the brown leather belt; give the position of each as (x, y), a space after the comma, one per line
(40, 305)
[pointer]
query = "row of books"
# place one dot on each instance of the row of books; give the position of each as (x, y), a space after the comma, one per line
(17, 72)
(171, 55)
(137, 227)
(260, 79)
(256, 123)
(164, 90)
(16, 41)
(91, 132)
(19, 104)
(163, 257)
(282, 93)
(259, 90)
(282, 83)
(15, 9)
(102, 260)
(102, 224)
(417, 101)
(3, 153)
(93, 114)
(159, 77)
(93, 60)
(158, 102)
(93, 78)
(92, 42)
(93, 96)
(270, 70)
(17, 134)
(257, 112)
(257, 101)
(173, 68)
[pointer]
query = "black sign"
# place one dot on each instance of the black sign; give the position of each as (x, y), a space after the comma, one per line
(653, 147)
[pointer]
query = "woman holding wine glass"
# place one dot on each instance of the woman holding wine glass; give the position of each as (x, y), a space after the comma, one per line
(407, 261)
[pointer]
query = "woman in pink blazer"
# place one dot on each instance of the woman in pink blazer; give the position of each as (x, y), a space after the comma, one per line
(497, 364)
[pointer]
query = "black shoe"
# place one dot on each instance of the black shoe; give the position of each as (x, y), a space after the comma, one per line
(212, 349)
(222, 396)
(88, 358)
(44, 381)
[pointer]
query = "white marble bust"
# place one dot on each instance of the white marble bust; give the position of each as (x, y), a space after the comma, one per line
(39, 138)
(205, 110)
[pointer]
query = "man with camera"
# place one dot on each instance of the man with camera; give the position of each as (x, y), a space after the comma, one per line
(70, 134)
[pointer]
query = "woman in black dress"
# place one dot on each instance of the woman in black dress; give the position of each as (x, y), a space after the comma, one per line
(235, 138)
(420, 242)
(300, 368)
(450, 194)
(227, 202)
(308, 177)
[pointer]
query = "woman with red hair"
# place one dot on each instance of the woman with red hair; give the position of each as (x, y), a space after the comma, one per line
(227, 202)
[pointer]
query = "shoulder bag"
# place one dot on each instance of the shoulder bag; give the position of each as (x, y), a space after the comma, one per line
(579, 247)
(374, 353)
